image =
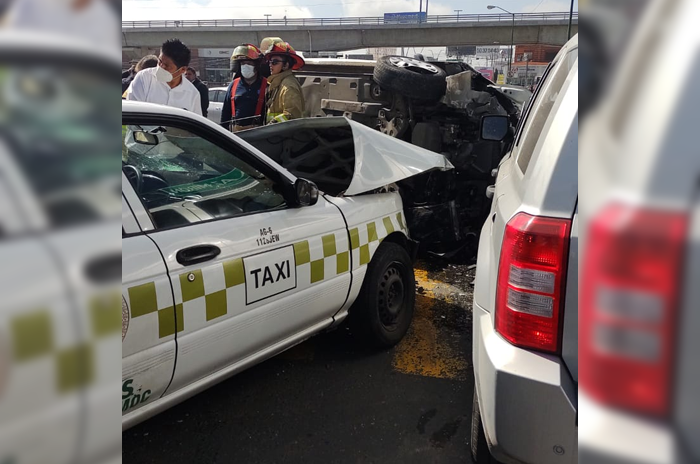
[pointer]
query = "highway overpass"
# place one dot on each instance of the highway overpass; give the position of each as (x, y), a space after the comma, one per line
(337, 34)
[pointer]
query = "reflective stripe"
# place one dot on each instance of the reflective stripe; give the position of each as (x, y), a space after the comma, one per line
(234, 86)
(261, 97)
(277, 117)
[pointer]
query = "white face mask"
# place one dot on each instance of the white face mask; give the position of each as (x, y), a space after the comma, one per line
(163, 75)
(248, 71)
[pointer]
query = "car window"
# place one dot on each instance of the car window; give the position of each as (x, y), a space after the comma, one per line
(182, 178)
(541, 105)
(212, 95)
(220, 94)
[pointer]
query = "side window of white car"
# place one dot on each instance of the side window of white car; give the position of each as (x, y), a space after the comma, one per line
(541, 105)
(182, 178)
(220, 94)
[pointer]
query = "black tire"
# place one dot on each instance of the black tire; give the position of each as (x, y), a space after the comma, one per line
(418, 80)
(479, 446)
(383, 311)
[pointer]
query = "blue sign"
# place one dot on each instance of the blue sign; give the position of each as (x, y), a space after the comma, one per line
(405, 18)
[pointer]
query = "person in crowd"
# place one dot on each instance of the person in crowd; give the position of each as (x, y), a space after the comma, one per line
(244, 102)
(128, 75)
(285, 100)
(165, 84)
(191, 75)
(148, 61)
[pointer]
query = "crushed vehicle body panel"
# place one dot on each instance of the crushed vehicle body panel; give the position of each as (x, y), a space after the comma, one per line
(341, 156)
(444, 209)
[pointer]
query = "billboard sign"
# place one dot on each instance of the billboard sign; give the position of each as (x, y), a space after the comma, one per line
(488, 50)
(465, 50)
(215, 52)
(487, 73)
(405, 18)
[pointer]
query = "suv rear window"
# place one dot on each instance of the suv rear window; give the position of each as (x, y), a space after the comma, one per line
(542, 104)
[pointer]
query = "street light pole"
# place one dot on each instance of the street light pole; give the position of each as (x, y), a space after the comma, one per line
(267, 16)
(511, 52)
(457, 11)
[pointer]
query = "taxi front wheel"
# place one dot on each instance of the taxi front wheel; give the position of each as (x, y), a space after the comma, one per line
(383, 311)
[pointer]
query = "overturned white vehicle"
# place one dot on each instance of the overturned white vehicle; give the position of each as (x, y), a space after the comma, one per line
(434, 105)
(232, 253)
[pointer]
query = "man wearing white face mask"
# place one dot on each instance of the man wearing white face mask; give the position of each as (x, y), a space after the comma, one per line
(244, 103)
(164, 84)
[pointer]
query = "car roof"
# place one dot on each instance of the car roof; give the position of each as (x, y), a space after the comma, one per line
(218, 88)
(130, 106)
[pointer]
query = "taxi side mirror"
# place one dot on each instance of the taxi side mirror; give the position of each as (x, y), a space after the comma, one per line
(494, 127)
(306, 192)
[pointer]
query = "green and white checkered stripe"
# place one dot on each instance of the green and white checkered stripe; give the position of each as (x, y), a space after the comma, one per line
(38, 334)
(365, 239)
(203, 295)
(321, 258)
(148, 301)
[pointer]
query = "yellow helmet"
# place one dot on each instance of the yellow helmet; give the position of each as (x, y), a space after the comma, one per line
(246, 52)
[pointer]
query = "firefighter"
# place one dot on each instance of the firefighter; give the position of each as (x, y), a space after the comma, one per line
(285, 100)
(244, 103)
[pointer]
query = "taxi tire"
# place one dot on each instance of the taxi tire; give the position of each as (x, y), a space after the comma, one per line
(390, 263)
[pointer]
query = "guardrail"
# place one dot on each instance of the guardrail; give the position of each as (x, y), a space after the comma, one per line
(348, 21)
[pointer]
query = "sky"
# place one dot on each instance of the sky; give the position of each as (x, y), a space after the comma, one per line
(136, 10)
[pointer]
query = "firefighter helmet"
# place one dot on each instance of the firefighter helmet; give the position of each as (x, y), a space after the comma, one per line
(279, 48)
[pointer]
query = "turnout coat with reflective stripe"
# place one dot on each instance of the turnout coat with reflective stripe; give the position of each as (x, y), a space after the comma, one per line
(284, 98)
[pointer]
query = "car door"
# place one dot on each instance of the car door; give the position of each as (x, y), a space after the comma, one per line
(249, 271)
(148, 317)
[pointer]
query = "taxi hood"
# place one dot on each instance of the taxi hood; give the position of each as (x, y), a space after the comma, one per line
(341, 156)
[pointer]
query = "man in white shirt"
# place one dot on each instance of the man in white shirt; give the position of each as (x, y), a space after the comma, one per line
(164, 84)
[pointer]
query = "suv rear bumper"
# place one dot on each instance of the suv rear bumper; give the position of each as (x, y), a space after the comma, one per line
(528, 400)
(608, 436)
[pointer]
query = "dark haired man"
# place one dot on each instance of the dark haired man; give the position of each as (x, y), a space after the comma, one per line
(191, 75)
(164, 83)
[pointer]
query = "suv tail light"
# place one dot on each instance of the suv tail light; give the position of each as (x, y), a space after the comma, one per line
(530, 291)
(629, 293)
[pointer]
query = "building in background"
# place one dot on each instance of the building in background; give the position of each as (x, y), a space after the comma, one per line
(530, 61)
(382, 51)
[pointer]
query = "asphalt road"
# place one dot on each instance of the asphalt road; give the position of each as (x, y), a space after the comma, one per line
(329, 400)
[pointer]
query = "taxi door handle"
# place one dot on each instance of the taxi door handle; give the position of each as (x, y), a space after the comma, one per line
(197, 254)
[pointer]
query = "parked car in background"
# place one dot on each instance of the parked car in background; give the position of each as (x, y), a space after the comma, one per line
(525, 311)
(216, 101)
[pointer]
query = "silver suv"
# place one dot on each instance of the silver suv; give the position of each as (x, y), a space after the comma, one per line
(525, 298)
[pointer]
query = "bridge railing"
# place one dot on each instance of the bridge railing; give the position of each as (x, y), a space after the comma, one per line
(347, 21)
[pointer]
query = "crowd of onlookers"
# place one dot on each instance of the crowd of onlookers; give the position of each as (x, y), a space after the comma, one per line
(263, 89)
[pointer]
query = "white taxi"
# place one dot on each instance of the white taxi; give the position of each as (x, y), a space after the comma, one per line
(236, 250)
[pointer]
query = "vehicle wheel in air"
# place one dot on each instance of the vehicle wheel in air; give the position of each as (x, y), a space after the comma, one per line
(413, 78)
(479, 446)
(383, 311)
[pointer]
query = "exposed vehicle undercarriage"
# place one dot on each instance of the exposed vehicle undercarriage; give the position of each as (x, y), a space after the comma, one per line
(434, 105)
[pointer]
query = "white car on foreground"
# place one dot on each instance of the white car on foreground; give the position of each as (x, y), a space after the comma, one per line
(525, 323)
(229, 256)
